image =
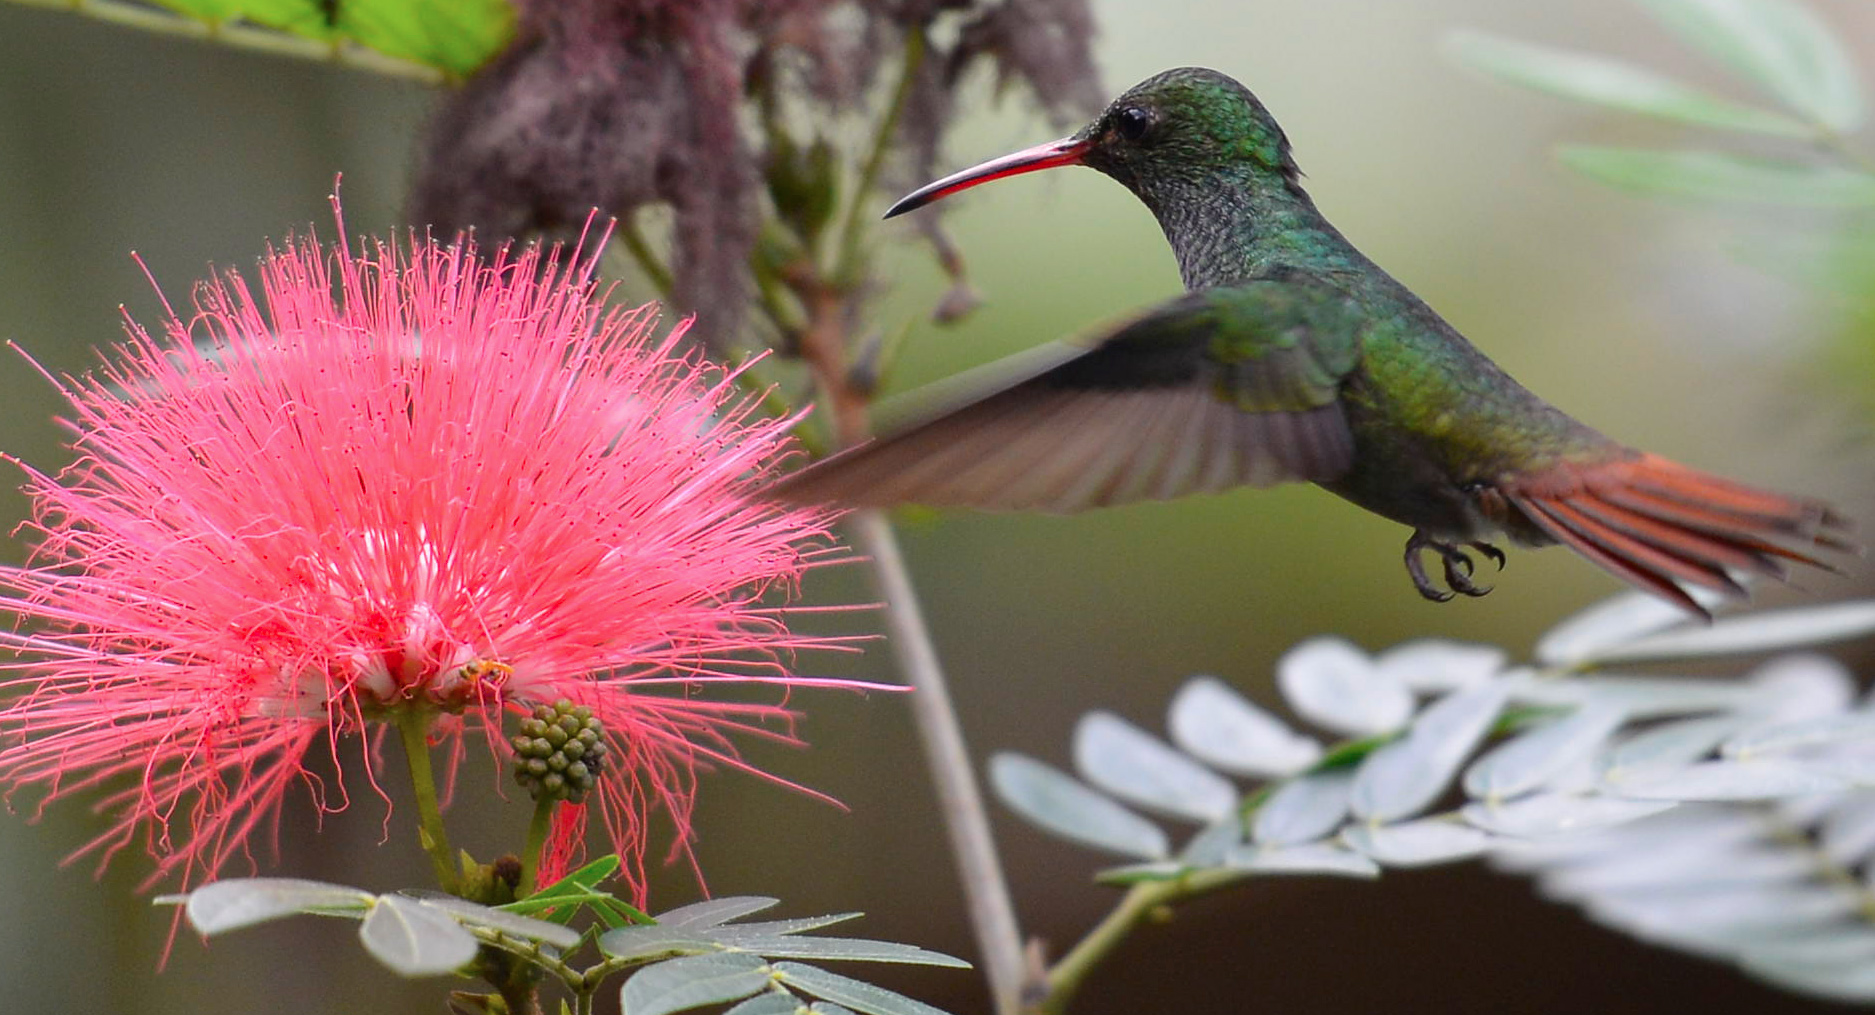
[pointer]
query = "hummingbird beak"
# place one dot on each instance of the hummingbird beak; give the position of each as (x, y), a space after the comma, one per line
(1069, 151)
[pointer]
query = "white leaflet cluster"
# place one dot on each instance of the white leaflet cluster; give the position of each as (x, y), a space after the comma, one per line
(1734, 818)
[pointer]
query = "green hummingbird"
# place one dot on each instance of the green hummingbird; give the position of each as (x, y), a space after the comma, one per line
(1292, 357)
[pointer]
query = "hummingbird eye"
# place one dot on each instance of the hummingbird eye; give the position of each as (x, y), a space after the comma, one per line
(1132, 123)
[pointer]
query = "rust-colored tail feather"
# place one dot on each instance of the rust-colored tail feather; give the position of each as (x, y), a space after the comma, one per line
(1655, 523)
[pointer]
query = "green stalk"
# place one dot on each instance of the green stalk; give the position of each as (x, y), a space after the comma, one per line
(1140, 903)
(845, 269)
(1066, 976)
(537, 829)
(414, 726)
(655, 271)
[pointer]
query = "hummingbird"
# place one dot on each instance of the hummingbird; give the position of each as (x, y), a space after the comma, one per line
(1292, 357)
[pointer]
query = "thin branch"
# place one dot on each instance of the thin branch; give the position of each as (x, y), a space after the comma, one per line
(538, 828)
(986, 893)
(1067, 975)
(1144, 901)
(647, 260)
(848, 262)
(253, 38)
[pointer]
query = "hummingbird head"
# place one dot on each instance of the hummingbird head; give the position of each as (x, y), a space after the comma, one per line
(1175, 139)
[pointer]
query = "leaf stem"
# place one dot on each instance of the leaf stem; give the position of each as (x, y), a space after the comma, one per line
(537, 829)
(254, 38)
(986, 893)
(1065, 978)
(413, 724)
(1139, 904)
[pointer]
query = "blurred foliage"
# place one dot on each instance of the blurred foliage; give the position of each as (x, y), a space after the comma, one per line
(1796, 62)
(1548, 755)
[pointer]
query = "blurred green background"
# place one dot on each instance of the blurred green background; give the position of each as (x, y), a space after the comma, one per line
(1633, 315)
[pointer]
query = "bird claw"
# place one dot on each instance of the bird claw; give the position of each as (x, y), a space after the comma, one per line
(1458, 566)
(1492, 553)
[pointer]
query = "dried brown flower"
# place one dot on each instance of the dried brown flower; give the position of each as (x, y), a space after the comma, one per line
(625, 104)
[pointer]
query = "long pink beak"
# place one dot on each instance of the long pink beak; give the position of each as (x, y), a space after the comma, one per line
(1068, 151)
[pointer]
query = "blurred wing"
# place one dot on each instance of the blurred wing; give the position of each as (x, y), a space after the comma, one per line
(1223, 388)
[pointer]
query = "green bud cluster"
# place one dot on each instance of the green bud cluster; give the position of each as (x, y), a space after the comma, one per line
(560, 752)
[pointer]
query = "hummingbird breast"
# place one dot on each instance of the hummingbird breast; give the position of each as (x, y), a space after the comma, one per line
(1439, 429)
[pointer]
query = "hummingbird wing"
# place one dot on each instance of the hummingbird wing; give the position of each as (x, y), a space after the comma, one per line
(1225, 387)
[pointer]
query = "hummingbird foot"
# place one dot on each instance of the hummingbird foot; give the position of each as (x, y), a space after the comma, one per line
(1491, 553)
(1458, 567)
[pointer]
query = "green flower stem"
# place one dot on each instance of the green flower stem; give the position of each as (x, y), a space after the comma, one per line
(537, 829)
(414, 725)
(238, 35)
(986, 893)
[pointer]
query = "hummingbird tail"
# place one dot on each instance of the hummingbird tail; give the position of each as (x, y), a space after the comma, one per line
(1655, 524)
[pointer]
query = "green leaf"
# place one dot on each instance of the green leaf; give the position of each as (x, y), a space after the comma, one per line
(650, 942)
(1418, 843)
(828, 1008)
(1780, 45)
(1137, 873)
(1713, 176)
(1753, 633)
(682, 984)
(616, 912)
(489, 918)
(1313, 858)
(586, 878)
(577, 890)
(454, 36)
(302, 17)
(855, 994)
(1303, 810)
(243, 902)
(414, 939)
(1061, 804)
(1767, 779)
(1404, 777)
(797, 925)
(775, 1002)
(1220, 727)
(699, 915)
(1589, 78)
(850, 949)
(1143, 770)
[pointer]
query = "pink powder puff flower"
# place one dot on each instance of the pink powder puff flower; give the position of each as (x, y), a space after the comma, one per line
(408, 479)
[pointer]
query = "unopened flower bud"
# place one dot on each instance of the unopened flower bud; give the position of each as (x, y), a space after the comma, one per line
(560, 752)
